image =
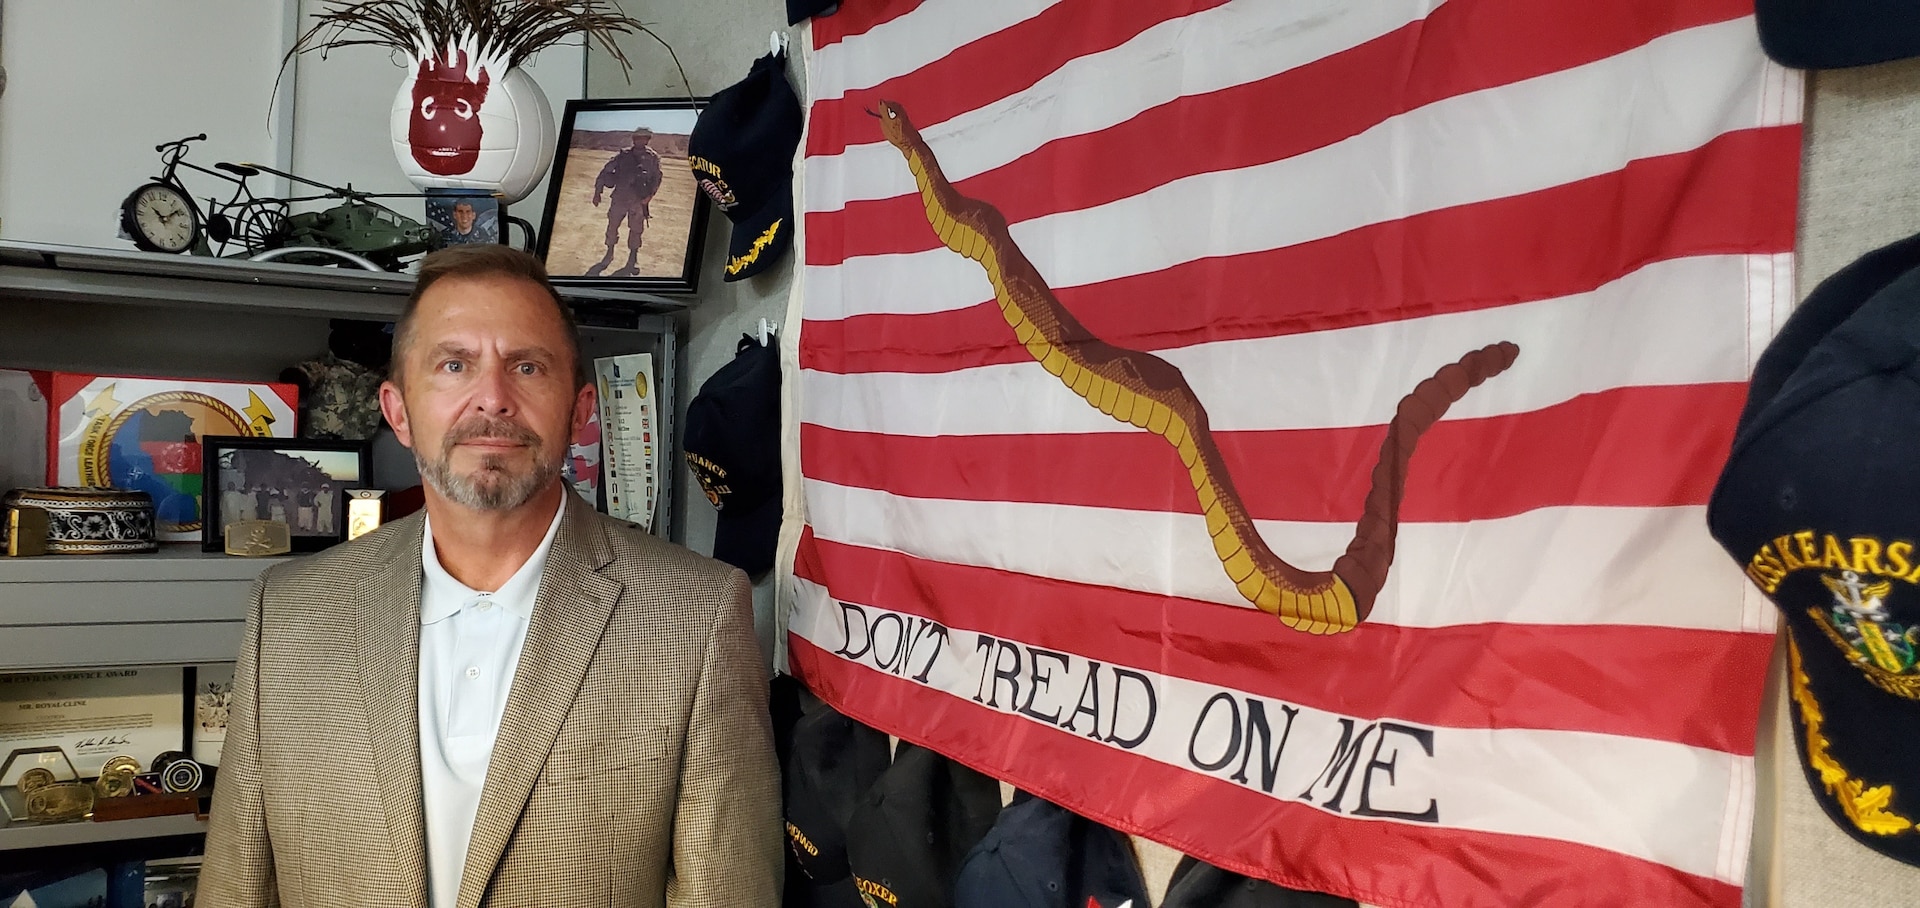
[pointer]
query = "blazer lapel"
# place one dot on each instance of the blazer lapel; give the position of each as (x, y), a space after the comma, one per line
(569, 616)
(387, 625)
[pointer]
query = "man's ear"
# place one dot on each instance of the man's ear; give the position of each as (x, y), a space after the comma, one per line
(584, 402)
(394, 408)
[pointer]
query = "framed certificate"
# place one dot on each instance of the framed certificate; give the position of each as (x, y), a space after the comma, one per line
(95, 715)
(630, 450)
(212, 689)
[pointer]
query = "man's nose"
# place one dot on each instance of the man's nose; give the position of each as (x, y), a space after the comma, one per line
(493, 395)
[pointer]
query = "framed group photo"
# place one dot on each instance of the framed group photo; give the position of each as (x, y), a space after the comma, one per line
(623, 209)
(300, 482)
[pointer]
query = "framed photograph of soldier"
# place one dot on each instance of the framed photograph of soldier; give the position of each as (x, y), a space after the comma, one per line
(299, 483)
(623, 209)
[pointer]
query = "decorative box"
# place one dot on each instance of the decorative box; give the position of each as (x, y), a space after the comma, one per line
(144, 434)
(83, 521)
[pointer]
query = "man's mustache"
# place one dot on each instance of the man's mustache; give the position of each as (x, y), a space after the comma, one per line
(485, 427)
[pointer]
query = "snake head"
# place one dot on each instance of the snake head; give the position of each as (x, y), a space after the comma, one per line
(894, 123)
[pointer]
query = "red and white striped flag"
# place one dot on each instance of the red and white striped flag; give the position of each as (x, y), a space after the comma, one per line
(1047, 505)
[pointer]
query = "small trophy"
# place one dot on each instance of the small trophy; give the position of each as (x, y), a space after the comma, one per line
(364, 511)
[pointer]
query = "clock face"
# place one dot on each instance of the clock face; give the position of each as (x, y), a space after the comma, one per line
(164, 218)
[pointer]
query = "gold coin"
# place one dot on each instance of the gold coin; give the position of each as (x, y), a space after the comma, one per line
(114, 784)
(35, 779)
(121, 762)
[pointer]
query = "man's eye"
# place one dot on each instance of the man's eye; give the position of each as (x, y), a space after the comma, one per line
(529, 369)
(453, 365)
(463, 109)
(426, 108)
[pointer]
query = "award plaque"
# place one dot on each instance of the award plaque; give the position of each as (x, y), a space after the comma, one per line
(144, 434)
(364, 511)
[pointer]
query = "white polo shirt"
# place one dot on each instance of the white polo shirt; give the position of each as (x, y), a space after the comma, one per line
(469, 645)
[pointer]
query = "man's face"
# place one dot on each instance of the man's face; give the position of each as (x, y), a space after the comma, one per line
(641, 139)
(489, 402)
(463, 217)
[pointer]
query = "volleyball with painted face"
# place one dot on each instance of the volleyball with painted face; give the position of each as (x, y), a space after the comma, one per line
(460, 125)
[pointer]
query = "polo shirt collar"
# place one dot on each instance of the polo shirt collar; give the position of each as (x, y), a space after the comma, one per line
(442, 596)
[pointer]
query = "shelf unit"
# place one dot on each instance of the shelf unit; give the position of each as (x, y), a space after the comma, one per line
(16, 836)
(84, 309)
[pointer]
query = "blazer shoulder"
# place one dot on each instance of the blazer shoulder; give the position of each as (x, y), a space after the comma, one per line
(637, 552)
(340, 566)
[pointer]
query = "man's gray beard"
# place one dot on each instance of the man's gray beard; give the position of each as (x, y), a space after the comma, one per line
(490, 488)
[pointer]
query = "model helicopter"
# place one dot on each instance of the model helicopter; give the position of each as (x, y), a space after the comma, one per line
(162, 216)
(356, 225)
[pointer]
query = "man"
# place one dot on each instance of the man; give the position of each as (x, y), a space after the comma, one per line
(509, 699)
(468, 226)
(234, 503)
(303, 521)
(634, 176)
(323, 504)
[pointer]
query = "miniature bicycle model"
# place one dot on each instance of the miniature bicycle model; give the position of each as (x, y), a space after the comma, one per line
(162, 216)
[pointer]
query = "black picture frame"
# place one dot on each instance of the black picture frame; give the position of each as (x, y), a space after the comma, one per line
(231, 457)
(573, 230)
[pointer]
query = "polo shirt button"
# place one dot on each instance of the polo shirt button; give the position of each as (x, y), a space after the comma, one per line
(473, 671)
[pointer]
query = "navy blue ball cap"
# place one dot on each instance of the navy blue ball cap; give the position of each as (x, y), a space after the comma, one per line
(741, 152)
(1197, 884)
(907, 839)
(1833, 302)
(1820, 506)
(1041, 855)
(833, 761)
(1835, 34)
(732, 445)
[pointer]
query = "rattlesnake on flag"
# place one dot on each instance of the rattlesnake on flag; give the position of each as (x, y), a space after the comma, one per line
(1136, 387)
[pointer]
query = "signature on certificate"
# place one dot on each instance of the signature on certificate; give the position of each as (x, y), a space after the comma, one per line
(103, 741)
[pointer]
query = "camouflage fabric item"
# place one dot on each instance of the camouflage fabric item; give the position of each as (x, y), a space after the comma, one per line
(339, 399)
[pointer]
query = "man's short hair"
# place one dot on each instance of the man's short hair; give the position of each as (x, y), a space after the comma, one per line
(643, 133)
(482, 260)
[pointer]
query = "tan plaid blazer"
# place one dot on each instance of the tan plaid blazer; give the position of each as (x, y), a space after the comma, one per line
(634, 765)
